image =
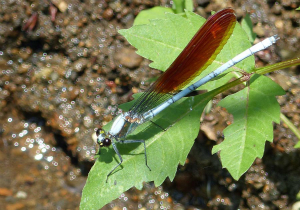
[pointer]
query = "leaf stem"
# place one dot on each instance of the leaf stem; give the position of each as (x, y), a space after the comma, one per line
(291, 126)
(278, 66)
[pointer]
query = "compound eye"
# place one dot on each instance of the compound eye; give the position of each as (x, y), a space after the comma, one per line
(99, 131)
(106, 142)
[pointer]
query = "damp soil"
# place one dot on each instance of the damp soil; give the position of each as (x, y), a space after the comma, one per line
(63, 70)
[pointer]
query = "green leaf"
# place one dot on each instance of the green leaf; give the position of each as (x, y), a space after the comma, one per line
(189, 5)
(154, 13)
(162, 41)
(165, 150)
(254, 109)
(298, 8)
(248, 27)
(178, 6)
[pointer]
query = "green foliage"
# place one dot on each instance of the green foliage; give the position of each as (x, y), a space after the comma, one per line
(188, 4)
(159, 12)
(180, 5)
(154, 13)
(254, 109)
(297, 145)
(298, 8)
(248, 28)
(163, 39)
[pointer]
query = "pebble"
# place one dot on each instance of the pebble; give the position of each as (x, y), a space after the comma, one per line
(15, 206)
(21, 195)
(80, 64)
(5, 192)
(108, 14)
(259, 30)
(128, 58)
(60, 4)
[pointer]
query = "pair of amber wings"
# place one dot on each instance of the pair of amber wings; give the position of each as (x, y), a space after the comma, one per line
(195, 58)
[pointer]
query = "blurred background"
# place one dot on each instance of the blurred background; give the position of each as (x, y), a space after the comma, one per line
(63, 70)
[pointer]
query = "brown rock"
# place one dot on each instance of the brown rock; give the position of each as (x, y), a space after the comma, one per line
(5, 192)
(128, 58)
(108, 14)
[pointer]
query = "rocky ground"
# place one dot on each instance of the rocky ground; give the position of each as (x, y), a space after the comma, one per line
(63, 70)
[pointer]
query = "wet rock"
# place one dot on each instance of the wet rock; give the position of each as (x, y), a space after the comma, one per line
(108, 14)
(80, 64)
(21, 195)
(15, 206)
(5, 192)
(128, 58)
(60, 4)
(259, 30)
(277, 8)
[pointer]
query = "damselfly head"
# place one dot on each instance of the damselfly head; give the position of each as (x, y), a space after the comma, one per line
(102, 138)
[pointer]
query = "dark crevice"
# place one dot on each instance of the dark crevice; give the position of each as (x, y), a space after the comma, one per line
(34, 117)
(61, 143)
(37, 45)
